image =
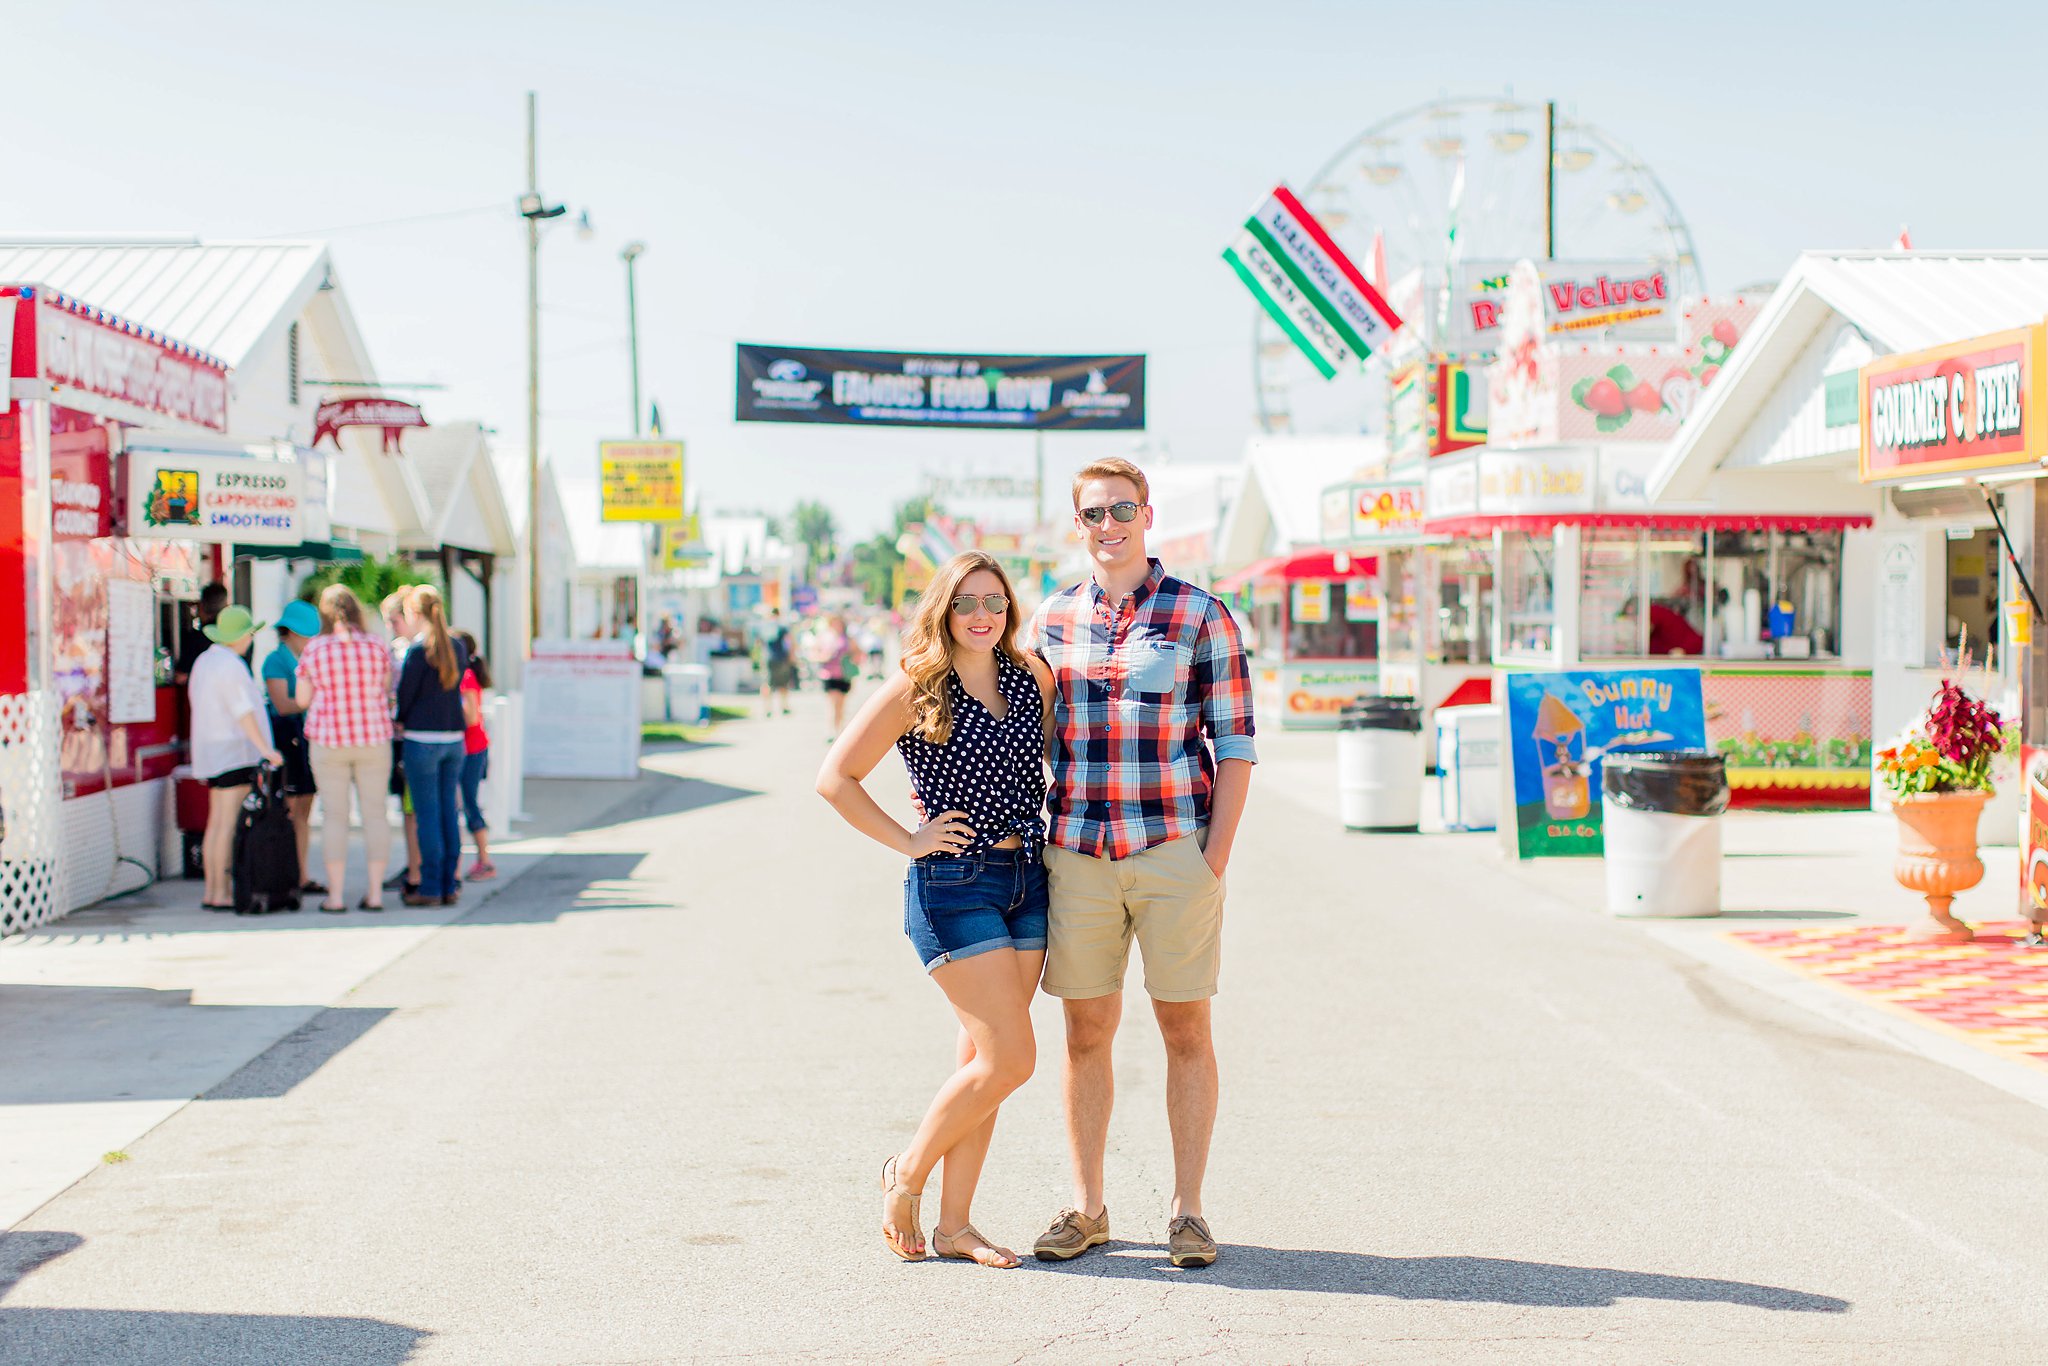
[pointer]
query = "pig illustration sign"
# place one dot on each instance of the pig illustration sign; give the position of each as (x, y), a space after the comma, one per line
(1559, 727)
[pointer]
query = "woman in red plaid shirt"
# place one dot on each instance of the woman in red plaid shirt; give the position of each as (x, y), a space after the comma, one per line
(345, 686)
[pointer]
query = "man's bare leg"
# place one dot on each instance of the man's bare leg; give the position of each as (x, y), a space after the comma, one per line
(1090, 1092)
(1191, 1090)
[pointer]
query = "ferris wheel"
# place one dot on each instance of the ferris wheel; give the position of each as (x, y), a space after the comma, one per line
(1396, 179)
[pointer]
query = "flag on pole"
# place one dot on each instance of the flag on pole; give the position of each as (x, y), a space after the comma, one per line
(654, 417)
(1379, 263)
(1309, 287)
(1905, 242)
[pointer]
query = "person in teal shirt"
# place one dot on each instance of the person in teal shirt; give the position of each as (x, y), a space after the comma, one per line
(296, 625)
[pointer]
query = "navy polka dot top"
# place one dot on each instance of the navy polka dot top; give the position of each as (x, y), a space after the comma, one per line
(994, 770)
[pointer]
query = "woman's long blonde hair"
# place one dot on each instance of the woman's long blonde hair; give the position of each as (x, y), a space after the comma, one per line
(928, 643)
(425, 603)
(341, 609)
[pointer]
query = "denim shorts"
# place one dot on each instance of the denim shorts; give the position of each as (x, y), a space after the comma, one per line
(959, 907)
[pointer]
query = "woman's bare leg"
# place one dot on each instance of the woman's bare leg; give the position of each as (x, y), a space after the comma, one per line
(965, 1159)
(987, 992)
(302, 826)
(218, 847)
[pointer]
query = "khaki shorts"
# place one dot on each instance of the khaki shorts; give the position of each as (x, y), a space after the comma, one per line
(1166, 896)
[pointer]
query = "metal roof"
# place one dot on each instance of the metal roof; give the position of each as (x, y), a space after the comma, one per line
(1907, 300)
(221, 297)
(1898, 300)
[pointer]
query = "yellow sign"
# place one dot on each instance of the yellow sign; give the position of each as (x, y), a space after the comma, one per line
(642, 480)
(682, 545)
(1312, 601)
(1361, 599)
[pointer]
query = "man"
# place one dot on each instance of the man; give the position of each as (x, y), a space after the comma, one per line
(1152, 758)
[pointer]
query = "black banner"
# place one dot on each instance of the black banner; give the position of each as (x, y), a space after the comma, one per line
(927, 389)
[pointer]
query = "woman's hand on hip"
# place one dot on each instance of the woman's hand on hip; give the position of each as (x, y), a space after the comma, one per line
(947, 833)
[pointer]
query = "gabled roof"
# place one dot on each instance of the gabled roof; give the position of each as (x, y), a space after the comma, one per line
(221, 297)
(465, 504)
(1280, 506)
(1898, 300)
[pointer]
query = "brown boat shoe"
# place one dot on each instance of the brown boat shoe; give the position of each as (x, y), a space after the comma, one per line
(1189, 1242)
(1071, 1234)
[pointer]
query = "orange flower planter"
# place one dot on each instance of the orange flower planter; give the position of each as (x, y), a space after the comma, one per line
(1938, 853)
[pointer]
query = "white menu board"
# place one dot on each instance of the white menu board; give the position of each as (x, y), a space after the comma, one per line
(131, 652)
(582, 710)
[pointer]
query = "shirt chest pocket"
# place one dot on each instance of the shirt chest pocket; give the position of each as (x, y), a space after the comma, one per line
(1156, 667)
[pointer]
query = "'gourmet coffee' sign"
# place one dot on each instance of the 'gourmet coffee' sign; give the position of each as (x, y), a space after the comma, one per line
(1968, 407)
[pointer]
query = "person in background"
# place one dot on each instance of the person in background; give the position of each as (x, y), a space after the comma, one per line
(296, 625)
(838, 661)
(430, 720)
(345, 689)
(192, 641)
(394, 612)
(666, 638)
(779, 656)
(476, 758)
(229, 740)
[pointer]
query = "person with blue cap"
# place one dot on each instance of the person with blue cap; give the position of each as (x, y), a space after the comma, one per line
(296, 625)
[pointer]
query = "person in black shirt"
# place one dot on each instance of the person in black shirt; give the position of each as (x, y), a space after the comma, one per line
(192, 641)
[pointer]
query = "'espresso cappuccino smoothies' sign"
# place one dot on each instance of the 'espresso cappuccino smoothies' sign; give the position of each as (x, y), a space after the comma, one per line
(1970, 406)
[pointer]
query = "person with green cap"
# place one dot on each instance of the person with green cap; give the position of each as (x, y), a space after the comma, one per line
(296, 625)
(230, 738)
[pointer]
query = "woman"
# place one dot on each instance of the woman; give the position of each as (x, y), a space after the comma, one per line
(476, 759)
(345, 688)
(229, 739)
(968, 713)
(296, 625)
(430, 719)
(393, 610)
(838, 661)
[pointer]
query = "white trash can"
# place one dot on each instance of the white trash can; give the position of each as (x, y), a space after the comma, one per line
(1468, 766)
(689, 685)
(729, 673)
(1660, 829)
(1379, 764)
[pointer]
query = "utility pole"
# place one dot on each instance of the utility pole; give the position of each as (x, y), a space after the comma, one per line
(630, 253)
(533, 209)
(1550, 180)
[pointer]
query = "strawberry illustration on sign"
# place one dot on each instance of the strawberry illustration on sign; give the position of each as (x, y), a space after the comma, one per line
(1612, 396)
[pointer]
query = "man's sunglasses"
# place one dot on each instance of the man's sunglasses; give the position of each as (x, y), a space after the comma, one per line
(1123, 512)
(996, 603)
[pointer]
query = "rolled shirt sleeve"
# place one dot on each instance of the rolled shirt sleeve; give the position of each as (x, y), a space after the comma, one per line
(1223, 686)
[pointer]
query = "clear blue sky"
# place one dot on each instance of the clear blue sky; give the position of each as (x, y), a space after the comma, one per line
(1054, 177)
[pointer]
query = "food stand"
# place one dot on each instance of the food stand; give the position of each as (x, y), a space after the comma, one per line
(1314, 629)
(119, 498)
(1436, 607)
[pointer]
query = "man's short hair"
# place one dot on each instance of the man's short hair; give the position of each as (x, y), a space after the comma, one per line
(213, 597)
(1111, 467)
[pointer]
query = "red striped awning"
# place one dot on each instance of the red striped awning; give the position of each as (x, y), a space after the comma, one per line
(1306, 564)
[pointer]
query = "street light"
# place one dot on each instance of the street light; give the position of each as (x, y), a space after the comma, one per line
(630, 253)
(534, 209)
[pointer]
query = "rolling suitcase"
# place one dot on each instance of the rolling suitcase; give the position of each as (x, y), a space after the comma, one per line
(266, 849)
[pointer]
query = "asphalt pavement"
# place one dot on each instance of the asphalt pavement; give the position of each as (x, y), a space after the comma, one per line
(632, 1110)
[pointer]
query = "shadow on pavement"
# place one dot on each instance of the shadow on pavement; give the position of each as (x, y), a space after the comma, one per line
(143, 1337)
(67, 1337)
(1786, 915)
(674, 796)
(564, 884)
(299, 1054)
(139, 1043)
(1473, 1280)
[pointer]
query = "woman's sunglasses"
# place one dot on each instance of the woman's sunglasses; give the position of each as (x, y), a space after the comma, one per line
(1123, 512)
(996, 603)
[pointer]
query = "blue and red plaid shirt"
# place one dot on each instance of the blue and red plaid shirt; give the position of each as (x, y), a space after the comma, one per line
(1144, 690)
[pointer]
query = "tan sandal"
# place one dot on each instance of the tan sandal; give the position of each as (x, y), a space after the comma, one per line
(948, 1245)
(891, 1191)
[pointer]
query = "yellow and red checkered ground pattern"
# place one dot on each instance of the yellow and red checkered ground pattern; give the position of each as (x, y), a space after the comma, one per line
(1992, 991)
